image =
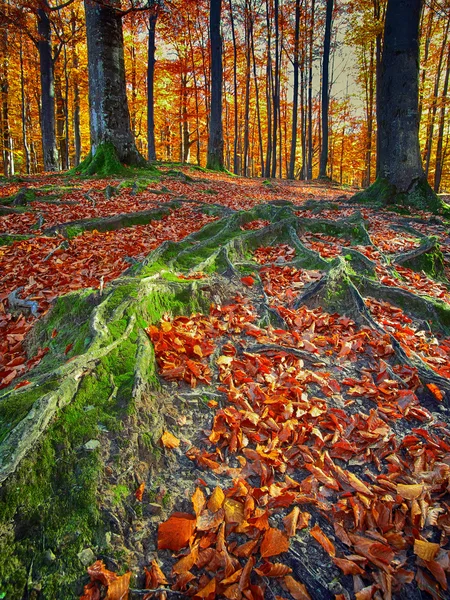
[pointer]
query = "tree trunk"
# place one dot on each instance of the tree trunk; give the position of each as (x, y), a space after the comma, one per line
(49, 148)
(276, 90)
(440, 141)
(268, 95)
(325, 89)
(432, 116)
(215, 141)
(151, 86)
(401, 177)
(24, 111)
(60, 122)
(4, 89)
(248, 19)
(295, 93)
(108, 105)
(258, 111)
(235, 143)
(310, 88)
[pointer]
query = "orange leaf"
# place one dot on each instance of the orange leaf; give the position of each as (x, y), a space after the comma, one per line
(435, 391)
(269, 569)
(118, 589)
(140, 492)
(249, 281)
(297, 590)
(234, 511)
(274, 542)
(216, 500)
(323, 540)
(348, 567)
(409, 492)
(290, 521)
(98, 572)
(176, 532)
(154, 576)
(198, 500)
(169, 441)
(425, 550)
(68, 348)
(187, 562)
(209, 591)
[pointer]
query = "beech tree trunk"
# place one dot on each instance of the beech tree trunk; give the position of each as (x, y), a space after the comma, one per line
(49, 148)
(276, 90)
(401, 178)
(215, 141)
(325, 90)
(151, 85)
(309, 174)
(440, 142)
(108, 105)
(295, 93)
(400, 160)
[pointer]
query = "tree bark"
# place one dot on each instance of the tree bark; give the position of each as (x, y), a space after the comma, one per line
(310, 95)
(151, 86)
(325, 89)
(4, 90)
(248, 25)
(76, 99)
(215, 141)
(269, 77)
(49, 148)
(276, 89)
(295, 93)
(440, 142)
(401, 178)
(432, 116)
(400, 160)
(235, 142)
(258, 111)
(108, 105)
(24, 110)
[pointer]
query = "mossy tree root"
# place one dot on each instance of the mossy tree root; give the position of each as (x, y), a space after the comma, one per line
(419, 196)
(427, 257)
(113, 223)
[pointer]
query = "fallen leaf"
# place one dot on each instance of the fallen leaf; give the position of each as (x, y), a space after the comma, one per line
(409, 491)
(139, 493)
(425, 550)
(175, 533)
(297, 590)
(274, 542)
(323, 540)
(168, 440)
(248, 281)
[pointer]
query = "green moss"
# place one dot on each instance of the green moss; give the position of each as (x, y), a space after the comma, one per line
(103, 163)
(53, 496)
(431, 262)
(7, 239)
(120, 492)
(56, 332)
(383, 193)
(13, 408)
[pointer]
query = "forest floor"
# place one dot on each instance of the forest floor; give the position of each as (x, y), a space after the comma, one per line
(217, 387)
